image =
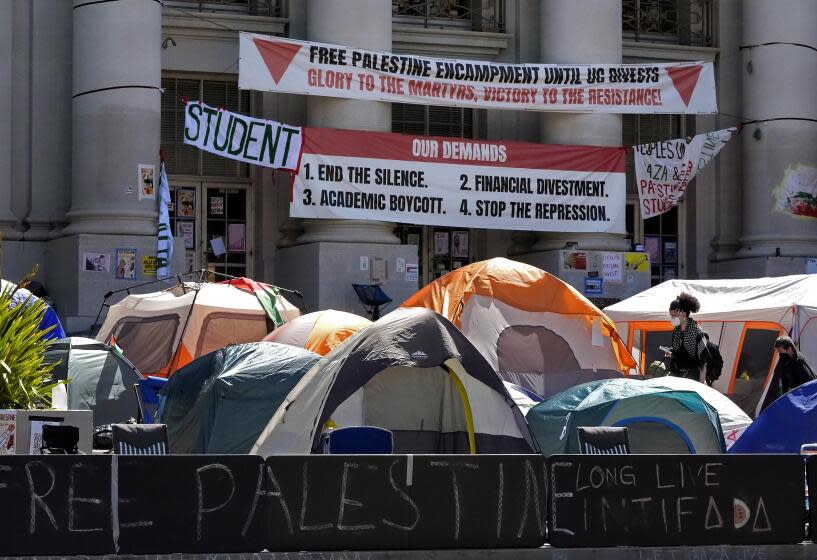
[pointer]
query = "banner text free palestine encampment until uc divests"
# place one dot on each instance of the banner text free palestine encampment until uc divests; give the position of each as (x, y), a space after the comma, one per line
(287, 65)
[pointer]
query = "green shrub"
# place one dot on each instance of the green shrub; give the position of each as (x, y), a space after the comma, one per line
(25, 381)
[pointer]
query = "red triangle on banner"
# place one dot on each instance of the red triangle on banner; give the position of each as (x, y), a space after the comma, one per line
(685, 78)
(277, 56)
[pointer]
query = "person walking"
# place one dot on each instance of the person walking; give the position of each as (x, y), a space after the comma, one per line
(792, 369)
(688, 353)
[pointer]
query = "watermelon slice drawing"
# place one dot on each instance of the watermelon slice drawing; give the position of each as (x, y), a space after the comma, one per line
(742, 513)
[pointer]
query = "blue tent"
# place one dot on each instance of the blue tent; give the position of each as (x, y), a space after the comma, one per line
(784, 426)
(659, 419)
(21, 296)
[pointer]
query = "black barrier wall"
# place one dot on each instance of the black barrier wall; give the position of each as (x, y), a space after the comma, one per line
(662, 500)
(97, 505)
(333, 502)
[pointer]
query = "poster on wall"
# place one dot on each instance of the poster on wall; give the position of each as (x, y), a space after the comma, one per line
(460, 244)
(663, 170)
(149, 265)
(460, 183)
(126, 264)
(96, 262)
(796, 194)
(236, 242)
(286, 65)
(242, 138)
(440, 243)
(611, 268)
(186, 203)
(216, 205)
(636, 262)
(186, 231)
(147, 190)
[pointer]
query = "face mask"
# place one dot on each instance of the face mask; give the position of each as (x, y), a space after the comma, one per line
(676, 321)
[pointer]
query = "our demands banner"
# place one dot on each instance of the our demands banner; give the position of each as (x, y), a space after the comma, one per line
(663, 170)
(236, 136)
(286, 65)
(462, 183)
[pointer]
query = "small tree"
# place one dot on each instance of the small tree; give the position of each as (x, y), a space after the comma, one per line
(25, 380)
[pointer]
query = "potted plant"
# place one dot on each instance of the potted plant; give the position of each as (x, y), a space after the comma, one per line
(25, 379)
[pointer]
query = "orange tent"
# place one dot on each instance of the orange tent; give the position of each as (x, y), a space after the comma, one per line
(319, 332)
(536, 330)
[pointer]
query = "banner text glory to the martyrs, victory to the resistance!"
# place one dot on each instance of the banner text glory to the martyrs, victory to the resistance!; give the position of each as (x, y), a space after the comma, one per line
(287, 65)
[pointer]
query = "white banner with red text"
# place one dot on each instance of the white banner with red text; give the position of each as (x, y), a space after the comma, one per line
(455, 182)
(663, 170)
(290, 66)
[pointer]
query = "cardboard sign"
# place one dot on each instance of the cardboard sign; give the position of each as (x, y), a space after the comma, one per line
(665, 500)
(243, 138)
(449, 182)
(286, 65)
(663, 170)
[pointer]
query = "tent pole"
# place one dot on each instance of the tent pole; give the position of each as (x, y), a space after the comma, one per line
(466, 405)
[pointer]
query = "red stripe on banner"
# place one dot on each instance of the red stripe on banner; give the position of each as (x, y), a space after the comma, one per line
(462, 151)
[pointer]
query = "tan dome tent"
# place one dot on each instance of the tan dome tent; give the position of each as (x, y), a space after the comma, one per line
(161, 332)
(535, 330)
(411, 372)
(320, 331)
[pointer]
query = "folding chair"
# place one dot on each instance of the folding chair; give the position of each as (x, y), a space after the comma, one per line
(147, 397)
(358, 440)
(372, 297)
(603, 440)
(139, 439)
(60, 440)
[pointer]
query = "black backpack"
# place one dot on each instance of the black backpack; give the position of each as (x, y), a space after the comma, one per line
(714, 360)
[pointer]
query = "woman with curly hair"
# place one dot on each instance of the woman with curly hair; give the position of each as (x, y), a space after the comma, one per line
(689, 351)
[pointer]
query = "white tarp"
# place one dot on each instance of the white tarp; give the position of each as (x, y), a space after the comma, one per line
(729, 308)
(286, 65)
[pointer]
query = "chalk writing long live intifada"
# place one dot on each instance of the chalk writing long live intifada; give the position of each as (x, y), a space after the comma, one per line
(461, 183)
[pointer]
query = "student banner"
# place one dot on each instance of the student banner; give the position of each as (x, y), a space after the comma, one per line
(286, 65)
(240, 137)
(663, 170)
(460, 183)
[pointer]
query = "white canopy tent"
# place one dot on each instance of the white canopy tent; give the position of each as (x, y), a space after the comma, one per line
(742, 316)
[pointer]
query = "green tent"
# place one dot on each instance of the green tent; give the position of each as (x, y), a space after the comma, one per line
(219, 403)
(99, 378)
(658, 419)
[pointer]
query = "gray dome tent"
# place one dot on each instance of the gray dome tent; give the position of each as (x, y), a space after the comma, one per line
(99, 378)
(413, 373)
(220, 402)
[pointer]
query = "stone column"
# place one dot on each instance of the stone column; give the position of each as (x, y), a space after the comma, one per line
(728, 163)
(581, 31)
(50, 118)
(7, 219)
(330, 255)
(778, 81)
(330, 21)
(116, 114)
